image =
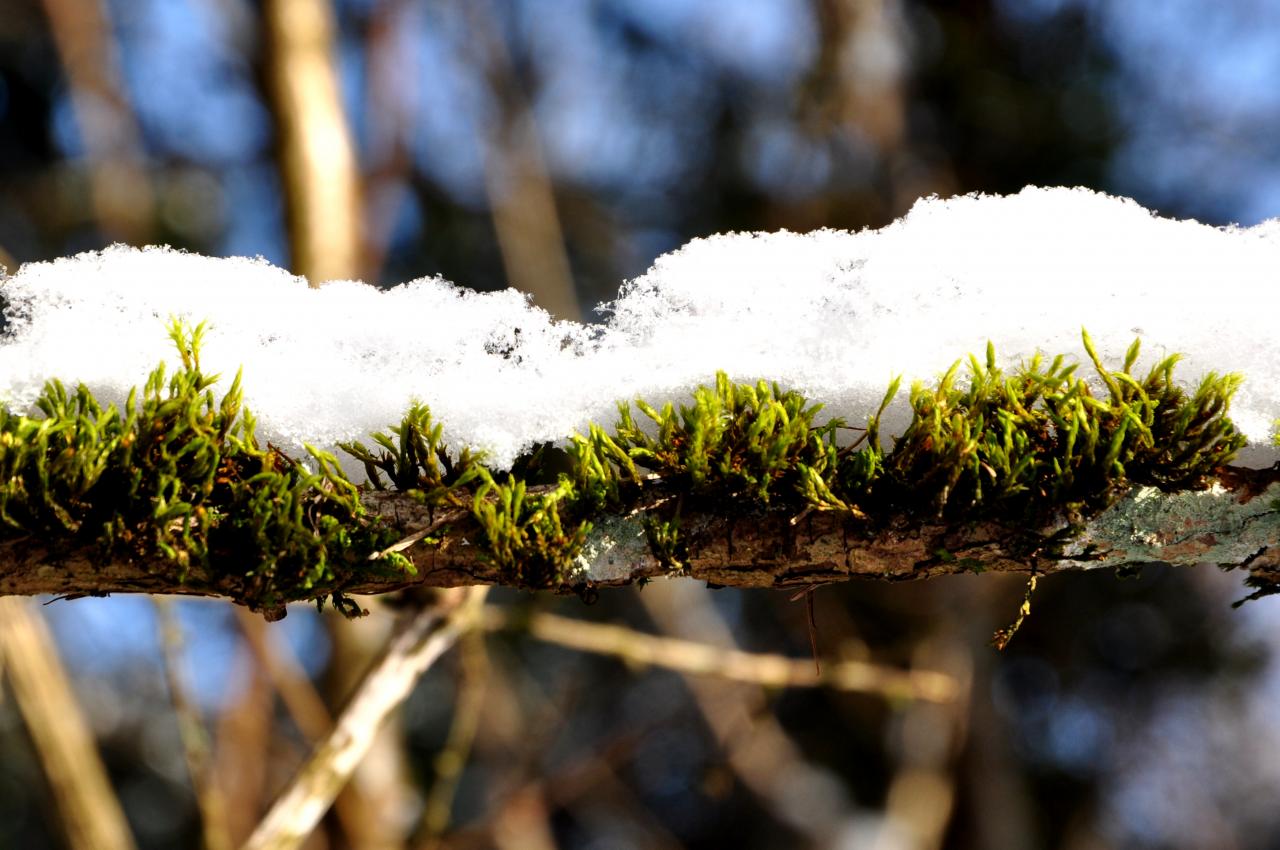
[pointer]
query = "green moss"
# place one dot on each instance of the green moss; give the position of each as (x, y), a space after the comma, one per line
(524, 533)
(1040, 439)
(179, 474)
(414, 458)
(663, 537)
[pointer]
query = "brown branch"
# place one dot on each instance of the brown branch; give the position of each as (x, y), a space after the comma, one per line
(196, 748)
(1233, 524)
(702, 659)
(521, 197)
(120, 191)
(422, 639)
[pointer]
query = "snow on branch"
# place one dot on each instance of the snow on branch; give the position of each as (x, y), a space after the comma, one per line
(514, 462)
(834, 315)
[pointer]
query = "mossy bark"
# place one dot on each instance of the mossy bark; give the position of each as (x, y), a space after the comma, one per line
(1233, 524)
(1028, 471)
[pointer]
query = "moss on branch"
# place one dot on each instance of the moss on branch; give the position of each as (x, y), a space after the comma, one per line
(178, 477)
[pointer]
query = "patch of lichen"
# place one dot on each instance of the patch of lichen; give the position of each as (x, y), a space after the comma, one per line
(179, 474)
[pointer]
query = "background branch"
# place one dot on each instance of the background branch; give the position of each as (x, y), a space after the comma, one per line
(422, 639)
(318, 159)
(91, 815)
(700, 659)
(195, 737)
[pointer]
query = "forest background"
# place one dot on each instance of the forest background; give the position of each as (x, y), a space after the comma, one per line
(559, 147)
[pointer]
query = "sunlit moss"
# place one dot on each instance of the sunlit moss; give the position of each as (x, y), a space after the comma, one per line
(179, 474)
(531, 536)
(1039, 438)
(414, 459)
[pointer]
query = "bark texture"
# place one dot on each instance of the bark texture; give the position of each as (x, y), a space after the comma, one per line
(1233, 524)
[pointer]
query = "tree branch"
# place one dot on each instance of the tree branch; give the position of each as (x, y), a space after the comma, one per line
(702, 659)
(423, 637)
(1233, 524)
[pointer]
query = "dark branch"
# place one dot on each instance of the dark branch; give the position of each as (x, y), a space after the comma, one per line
(1233, 524)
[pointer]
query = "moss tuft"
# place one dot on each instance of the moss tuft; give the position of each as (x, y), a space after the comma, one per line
(179, 474)
(524, 534)
(1040, 439)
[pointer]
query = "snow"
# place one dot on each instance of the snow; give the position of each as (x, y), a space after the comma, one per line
(834, 314)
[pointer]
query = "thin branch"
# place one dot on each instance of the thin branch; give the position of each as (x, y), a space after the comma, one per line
(303, 704)
(756, 747)
(521, 196)
(244, 734)
(700, 659)
(452, 758)
(195, 738)
(119, 189)
(91, 815)
(419, 642)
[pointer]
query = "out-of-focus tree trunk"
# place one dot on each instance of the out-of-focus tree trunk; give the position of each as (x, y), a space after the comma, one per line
(317, 154)
(91, 817)
(520, 193)
(323, 198)
(119, 191)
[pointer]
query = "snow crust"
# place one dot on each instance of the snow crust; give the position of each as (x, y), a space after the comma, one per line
(834, 314)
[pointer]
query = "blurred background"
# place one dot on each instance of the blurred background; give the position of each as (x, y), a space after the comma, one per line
(559, 146)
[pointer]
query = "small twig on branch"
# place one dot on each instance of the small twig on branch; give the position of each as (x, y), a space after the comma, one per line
(765, 669)
(419, 642)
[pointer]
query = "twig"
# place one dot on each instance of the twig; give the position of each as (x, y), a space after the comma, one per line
(91, 815)
(699, 659)
(421, 639)
(195, 739)
(1002, 637)
(303, 704)
(406, 542)
(452, 758)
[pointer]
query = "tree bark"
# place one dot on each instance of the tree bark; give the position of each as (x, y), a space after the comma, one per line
(1233, 524)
